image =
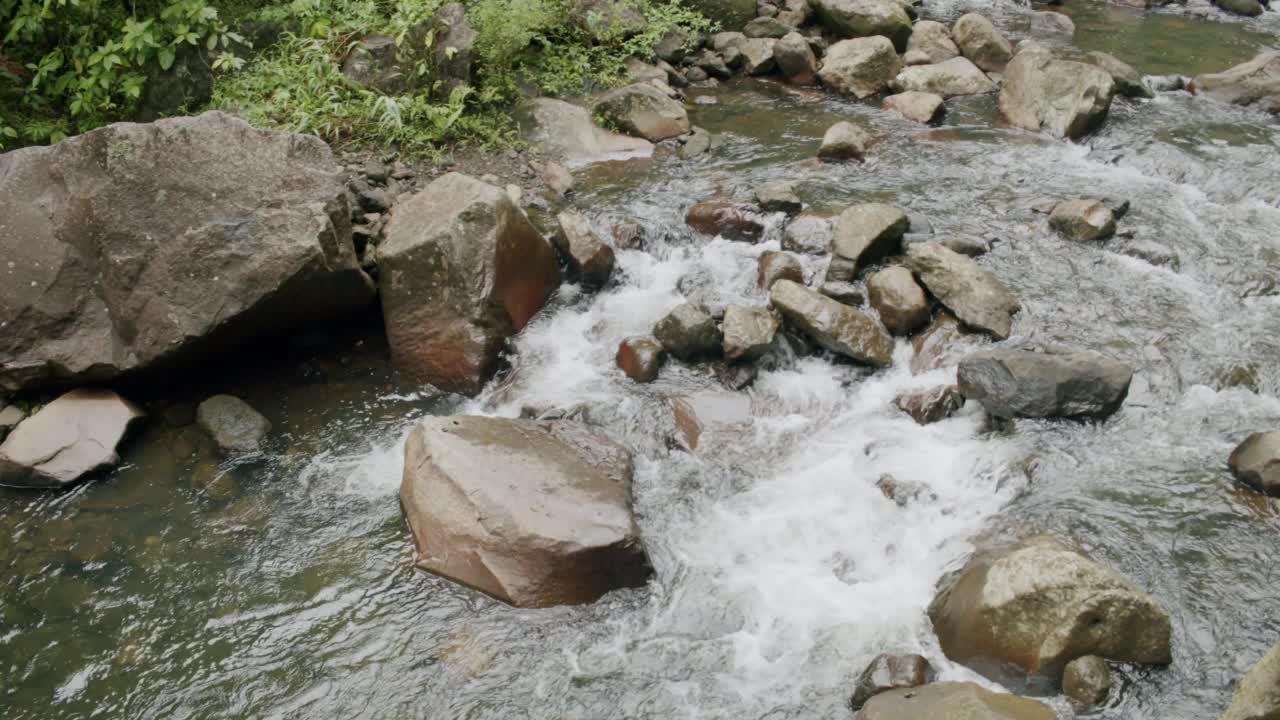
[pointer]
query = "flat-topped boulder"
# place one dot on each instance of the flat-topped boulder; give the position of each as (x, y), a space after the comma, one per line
(933, 40)
(865, 18)
(534, 513)
(461, 270)
(869, 232)
(1020, 383)
(162, 245)
(967, 289)
(67, 440)
(837, 327)
(951, 78)
(1037, 605)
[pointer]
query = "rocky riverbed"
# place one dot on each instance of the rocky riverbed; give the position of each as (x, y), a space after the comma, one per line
(872, 347)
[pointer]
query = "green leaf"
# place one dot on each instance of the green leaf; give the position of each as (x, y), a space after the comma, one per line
(167, 55)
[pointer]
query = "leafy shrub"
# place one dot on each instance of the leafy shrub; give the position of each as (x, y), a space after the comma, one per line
(67, 66)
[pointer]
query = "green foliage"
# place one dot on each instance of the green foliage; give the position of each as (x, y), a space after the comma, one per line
(67, 66)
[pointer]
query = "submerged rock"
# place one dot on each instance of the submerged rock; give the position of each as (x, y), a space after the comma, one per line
(918, 106)
(980, 41)
(461, 270)
(861, 67)
(233, 424)
(976, 296)
(774, 266)
(901, 302)
(1021, 383)
(836, 327)
(1083, 220)
(565, 131)
(163, 245)
(1052, 22)
(933, 39)
(779, 197)
(1066, 98)
(952, 78)
(748, 331)
(1257, 697)
(845, 141)
(533, 513)
(641, 358)
(843, 293)
(930, 406)
(1038, 605)
(1087, 680)
(689, 333)
(935, 342)
(1245, 8)
(66, 440)
(950, 701)
(1256, 462)
(890, 672)
(1128, 82)
(867, 233)
(1252, 84)
(1151, 252)
(725, 218)
(589, 259)
(865, 18)
(642, 110)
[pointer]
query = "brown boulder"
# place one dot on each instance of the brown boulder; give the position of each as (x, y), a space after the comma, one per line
(972, 293)
(642, 110)
(930, 406)
(725, 218)
(1256, 462)
(533, 513)
(901, 302)
(589, 259)
(462, 269)
(748, 331)
(835, 326)
(774, 266)
(641, 358)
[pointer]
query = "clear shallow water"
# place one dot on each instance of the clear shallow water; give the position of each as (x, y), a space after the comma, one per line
(177, 588)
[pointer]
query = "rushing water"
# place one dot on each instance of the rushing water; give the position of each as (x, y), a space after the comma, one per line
(177, 588)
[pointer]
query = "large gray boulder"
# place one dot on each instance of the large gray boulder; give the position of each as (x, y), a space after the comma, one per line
(1252, 84)
(869, 232)
(137, 246)
(67, 439)
(865, 18)
(1129, 82)
(795, 59)
(462, 269)
(968, 290)
(952, 701)
(1068, 99)
(533, 513)
(860, 67)
(981, 42)
(836, 327)
(1257, 697)
(933, 39)
(1022, 383)
(1256, 462)
(951, 78)
(565, 131)
(642, 110)
(1037, 605)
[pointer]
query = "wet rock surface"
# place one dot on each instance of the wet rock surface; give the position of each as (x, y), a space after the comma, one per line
(641, 358)
(1255, 83)
(973, 294)
(462, 269)
(1065, 98)
(749, 332)
(951, 78)
(1084, 220)
(563, 535)
(726, 218)
(901, 303)
(689, 332)
(1021, 383)
(890, 672)
(1257, 697)
(845, 141)
(1087, 680)
(1038, 605)
(930, 406)
(836, 327)
(589, 259)
(1256, 462)
(867, 233)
